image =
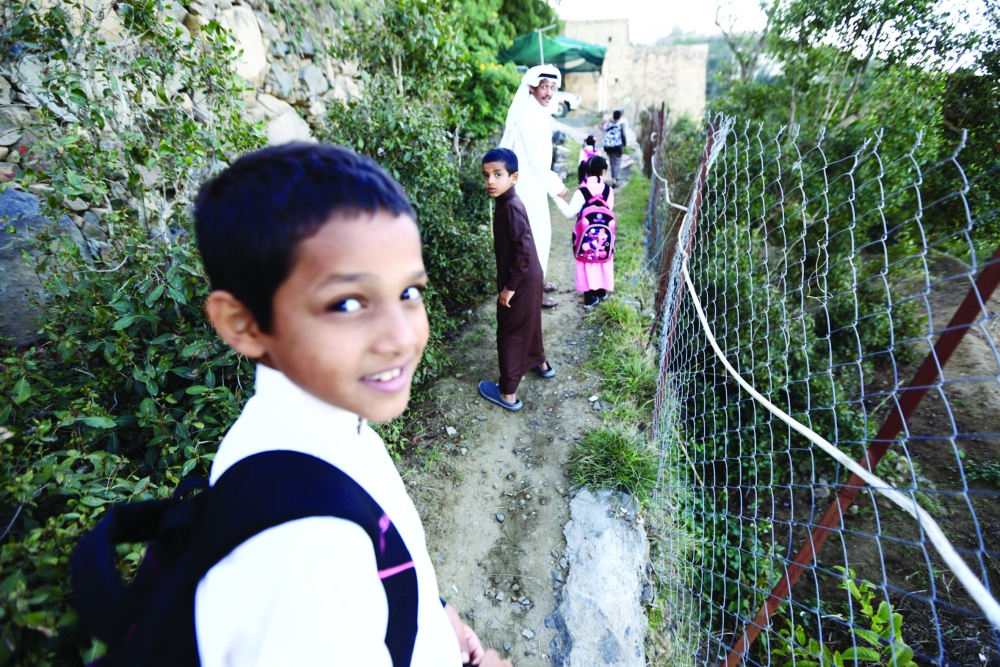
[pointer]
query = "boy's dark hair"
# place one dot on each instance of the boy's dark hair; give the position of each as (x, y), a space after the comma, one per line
(250, 218)
(596, 165)
(617, 114)
(504, 155)
(590, 140)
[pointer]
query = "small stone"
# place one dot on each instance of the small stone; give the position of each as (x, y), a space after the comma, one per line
(76, 204)
(534, 651)
(506, 646)
(560, 490)
(563, 563)
(464, 451)
(484, 472)
(543, 502)
(555, 554)
(528, 634)
(495, 486)
(481, 418)
(500, 518)
(526, 602)
(7, 172)
(515, 587)
(450, 430)
(500, 596)
(4, 92)
(597, 405)
(593, 398)
(3, 152)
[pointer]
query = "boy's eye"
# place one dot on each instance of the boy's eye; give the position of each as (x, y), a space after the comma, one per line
(346, 306)
(412, 293)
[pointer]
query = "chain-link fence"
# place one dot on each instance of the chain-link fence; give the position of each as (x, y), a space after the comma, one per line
(850, 291)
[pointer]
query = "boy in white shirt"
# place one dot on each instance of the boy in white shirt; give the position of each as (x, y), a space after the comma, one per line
(314, 259)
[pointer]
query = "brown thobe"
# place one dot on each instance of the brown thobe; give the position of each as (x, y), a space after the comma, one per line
(519, 327)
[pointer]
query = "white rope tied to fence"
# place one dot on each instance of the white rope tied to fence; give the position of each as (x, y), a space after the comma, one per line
(972, 584)
(666, 185)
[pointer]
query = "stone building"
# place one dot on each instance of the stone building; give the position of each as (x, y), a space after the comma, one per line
(643, 75)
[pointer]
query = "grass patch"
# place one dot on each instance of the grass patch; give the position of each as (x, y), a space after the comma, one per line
(624, 359)
(618, 456)
(615, 458)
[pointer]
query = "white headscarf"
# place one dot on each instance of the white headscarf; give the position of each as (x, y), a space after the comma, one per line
(523, 99)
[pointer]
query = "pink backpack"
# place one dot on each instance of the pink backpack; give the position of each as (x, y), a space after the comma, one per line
(594, 233)
(589, 152)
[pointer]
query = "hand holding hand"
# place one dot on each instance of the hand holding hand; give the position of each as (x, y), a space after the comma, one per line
(563, 194)
(469, 645)
(505, 296)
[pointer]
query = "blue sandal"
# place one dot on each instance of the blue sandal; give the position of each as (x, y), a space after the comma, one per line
(545, 374)
(491, 392)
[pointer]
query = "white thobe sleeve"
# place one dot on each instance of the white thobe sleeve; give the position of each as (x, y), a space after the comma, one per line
(573, 208)
(303, 593)
(533, 147)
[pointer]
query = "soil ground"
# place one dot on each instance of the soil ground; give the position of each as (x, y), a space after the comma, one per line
(503, 576)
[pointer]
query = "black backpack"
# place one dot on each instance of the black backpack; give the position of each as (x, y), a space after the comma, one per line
(151, 620)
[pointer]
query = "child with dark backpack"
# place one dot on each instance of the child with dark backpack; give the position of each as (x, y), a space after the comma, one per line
(614, 144)
(594, 234)
(305, 549)
(587, 151)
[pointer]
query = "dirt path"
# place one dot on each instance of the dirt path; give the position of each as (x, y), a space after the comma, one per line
(494, 511)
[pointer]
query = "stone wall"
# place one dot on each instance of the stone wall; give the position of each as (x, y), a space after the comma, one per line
(645, 75)
(292, 77)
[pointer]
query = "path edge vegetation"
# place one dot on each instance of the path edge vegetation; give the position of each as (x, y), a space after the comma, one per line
(128, 390)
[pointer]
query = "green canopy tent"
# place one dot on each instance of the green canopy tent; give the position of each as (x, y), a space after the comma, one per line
(569, 55)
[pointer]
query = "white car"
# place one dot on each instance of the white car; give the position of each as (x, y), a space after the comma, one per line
(566, 102)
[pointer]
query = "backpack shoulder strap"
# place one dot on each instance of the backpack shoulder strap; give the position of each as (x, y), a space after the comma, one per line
(300, 486)
(234, 510)
(607, 192)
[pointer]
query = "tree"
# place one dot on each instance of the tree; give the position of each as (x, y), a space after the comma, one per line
(523, 16)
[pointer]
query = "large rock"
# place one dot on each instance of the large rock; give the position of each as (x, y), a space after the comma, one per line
(287, 127)
(4, 92)
(19, 284)
(252, 64)
(315, 80)
(600, 620)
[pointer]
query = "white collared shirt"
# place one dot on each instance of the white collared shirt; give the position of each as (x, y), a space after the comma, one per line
(307, 592)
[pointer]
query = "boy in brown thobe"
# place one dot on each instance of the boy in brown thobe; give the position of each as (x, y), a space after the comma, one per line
(519, 284)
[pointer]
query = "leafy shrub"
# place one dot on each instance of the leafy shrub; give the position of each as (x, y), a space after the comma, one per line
(881, 643)
(129, 390)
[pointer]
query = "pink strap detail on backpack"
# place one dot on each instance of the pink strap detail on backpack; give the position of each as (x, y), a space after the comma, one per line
(396, 569)
(383, 526)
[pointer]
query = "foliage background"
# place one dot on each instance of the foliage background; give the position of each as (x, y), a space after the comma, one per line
(128, 390)
(831, 74)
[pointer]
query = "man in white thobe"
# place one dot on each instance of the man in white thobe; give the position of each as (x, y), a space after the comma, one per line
(529, 134)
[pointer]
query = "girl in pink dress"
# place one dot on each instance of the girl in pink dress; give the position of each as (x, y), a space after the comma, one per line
(594, 279)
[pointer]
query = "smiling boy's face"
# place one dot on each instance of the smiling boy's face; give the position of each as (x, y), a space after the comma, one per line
(349, 324)
(498, 180)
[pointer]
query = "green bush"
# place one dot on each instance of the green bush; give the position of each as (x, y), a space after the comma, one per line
(614, 458)
(129, 390)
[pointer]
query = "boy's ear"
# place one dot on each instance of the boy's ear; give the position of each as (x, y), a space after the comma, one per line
(236, 324)
(513, 177)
